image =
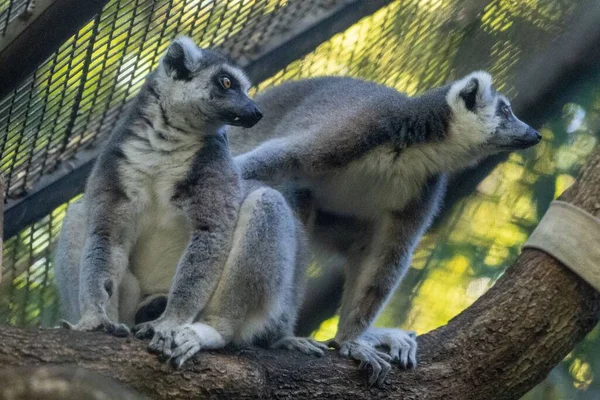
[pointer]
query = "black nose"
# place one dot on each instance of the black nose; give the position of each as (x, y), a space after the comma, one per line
(250, 116)
(534, 134)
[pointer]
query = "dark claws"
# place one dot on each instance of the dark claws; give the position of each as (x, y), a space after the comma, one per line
(177, 363)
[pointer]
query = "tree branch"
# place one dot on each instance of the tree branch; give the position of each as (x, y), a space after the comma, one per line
(499, 348)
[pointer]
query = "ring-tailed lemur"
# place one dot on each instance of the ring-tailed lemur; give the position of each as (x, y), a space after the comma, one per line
(165, 210)
(374, 162)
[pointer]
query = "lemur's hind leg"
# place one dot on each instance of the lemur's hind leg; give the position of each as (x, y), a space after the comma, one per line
(257, 298)
(68, 260)
(381, 267)
(280, 330)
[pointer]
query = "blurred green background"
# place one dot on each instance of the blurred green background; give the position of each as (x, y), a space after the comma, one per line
(411, 45)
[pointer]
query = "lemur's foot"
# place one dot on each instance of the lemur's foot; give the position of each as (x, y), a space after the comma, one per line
(368, 356)
(161, 331)
(189, 339)
(401, 345)
(303, 345)
(97, 322)
(186, 343)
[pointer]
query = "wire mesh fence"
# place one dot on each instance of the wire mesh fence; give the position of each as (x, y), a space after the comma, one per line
(75, 97)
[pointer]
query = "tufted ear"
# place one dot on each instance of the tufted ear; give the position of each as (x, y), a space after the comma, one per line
(469, 94)
(473, 91)
(181, 58)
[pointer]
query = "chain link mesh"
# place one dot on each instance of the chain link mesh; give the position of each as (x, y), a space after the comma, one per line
(76, 96)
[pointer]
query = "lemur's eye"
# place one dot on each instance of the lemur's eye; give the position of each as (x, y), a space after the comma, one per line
(506, 111)
(225, 82)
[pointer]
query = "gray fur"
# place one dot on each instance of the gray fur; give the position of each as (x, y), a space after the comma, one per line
(375, 160)
(165, 210)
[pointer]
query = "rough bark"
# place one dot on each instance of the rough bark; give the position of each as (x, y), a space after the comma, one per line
(61, 383)
(499, 348)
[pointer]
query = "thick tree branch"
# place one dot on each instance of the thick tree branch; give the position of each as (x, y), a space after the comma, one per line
(499, 348)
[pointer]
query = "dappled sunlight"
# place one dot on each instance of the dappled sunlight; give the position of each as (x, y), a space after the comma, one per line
(327, 329)
(445, 286)
(563, 182)
(581, 373)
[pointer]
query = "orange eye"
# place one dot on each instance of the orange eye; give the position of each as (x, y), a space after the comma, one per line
(225, 82)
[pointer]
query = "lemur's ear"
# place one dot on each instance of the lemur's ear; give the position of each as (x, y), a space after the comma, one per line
(471, 92)
(181, 58)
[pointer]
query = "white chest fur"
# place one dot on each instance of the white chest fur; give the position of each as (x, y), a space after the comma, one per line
(367, 187)
(384, 180)
(162, 231)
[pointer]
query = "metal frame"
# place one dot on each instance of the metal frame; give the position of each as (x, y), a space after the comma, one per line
(69, 180)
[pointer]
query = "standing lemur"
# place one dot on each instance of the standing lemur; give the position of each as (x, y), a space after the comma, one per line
(165, 210)
(373, 162)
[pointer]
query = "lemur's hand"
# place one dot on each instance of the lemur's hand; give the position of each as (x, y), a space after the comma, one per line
(161, 331)
(401, 345)
(369, 358)
(97, 321)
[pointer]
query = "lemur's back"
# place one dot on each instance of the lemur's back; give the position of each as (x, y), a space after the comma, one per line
(297, 106)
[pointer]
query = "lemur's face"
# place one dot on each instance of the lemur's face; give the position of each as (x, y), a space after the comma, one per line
(511, 133)
(205, 87)
(484, 118)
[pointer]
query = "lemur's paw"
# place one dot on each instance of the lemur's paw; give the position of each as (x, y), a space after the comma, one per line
(186, 343)
(97, 322)
(369, 358)
(303, 345)
(147, 330)
(401, 345)
(161, 332)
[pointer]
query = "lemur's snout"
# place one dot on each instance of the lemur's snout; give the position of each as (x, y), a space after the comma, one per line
(531, 137)
(251, 116)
